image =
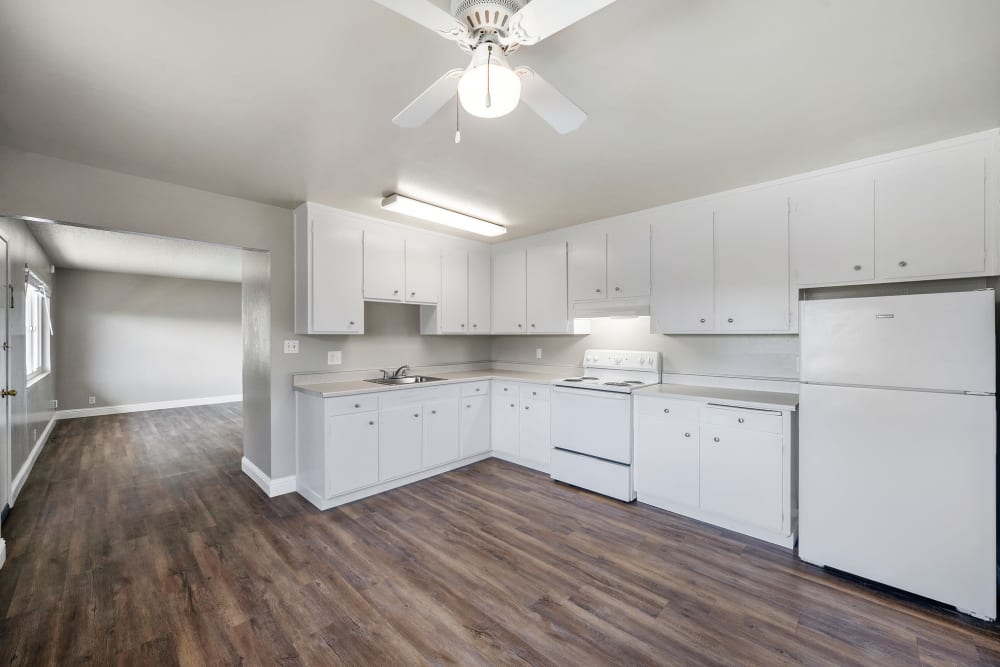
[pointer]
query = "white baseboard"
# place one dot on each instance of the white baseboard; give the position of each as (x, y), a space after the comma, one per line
(22, 475)
(272, 487)
(524, 463)
(143, 407)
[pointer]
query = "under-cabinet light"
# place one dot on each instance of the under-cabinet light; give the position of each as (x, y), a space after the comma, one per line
(442, 216)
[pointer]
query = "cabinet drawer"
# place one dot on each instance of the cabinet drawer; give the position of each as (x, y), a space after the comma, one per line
(505, 389)
(476, 389)
(743, 419)
(534, 392)
(675, 409)
(346, 405)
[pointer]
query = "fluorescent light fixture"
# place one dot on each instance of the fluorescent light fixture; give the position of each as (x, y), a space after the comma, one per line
(442, 216)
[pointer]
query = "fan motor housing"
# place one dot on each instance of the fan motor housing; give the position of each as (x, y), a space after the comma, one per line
(487, 19)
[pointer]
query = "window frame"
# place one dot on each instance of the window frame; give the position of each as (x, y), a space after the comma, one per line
(37, 332)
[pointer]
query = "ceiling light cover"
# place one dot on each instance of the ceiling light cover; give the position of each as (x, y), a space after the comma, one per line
(442, 216)
(489, 88)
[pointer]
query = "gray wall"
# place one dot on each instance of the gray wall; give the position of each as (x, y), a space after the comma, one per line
(747, 356)
(128, 339)
(31, 409)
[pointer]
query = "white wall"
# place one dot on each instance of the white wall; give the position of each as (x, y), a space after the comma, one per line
(128, 339)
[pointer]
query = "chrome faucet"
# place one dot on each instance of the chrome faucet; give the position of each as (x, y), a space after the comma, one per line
(401, 371)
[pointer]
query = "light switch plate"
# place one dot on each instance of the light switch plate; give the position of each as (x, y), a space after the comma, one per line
(334, 358)
(538, 353)
(92, 400)
(291, 347)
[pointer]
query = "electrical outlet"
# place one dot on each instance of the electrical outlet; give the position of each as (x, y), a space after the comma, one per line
(92, 400)
(291, 347)
(55, 404)
(538, 353)
(334, 358)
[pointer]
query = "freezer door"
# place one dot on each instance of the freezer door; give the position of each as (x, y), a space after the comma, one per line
(940, 342)
(900, 487)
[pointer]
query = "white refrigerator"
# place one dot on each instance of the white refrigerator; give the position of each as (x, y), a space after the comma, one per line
(897, 443)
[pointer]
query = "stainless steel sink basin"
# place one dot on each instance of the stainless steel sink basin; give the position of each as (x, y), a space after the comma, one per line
(406, 379)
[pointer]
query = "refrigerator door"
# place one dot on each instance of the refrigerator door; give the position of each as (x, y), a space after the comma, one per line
(900, 487)
(938, 342)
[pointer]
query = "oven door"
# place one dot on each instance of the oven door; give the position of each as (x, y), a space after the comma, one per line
(593, 422)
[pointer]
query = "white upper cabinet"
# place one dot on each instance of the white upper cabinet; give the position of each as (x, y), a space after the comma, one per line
(480, 293)
(423, 272)
(328, 273)
(683, 295)
(628, 261)
(454, 304)
(588, 267)
(930, 213)
(385, 260)
(547, 308)
(751, 262)
(509, 292)
(832, 222)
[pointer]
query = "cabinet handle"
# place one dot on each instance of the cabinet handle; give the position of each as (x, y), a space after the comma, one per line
(666, 410)
(475, 326)
(902, 263)
(468, 405)
(598, 290)
(477, 388)
(371, 423)
(532, 326)
(702, 320)
(534, 393)
(511, 405)
(618, 289)
(505, 388)
(687, 435)
(357, 405)
(527, 407)
(730, 320)
(416, 414)
(716, 439)
(857, 267)
(520, 326)
(740, 420)
(351, 323)
(463, 326)
(413, 293)
(395, 291)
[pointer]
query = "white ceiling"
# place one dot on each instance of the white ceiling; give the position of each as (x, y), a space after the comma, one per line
(70, 247)
(288, 101)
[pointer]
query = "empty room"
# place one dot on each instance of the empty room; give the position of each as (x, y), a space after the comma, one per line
(545, 332)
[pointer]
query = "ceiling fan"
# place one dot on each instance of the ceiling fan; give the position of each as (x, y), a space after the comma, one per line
(490, 30)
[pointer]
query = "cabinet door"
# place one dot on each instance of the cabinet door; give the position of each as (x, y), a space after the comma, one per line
(832, 221)
(587, 267)
(454, 303)
(741, 475)
(441, 444)
(351, 452)
(400, 441)
(509, 292)
(683, 289)
(930, 214)
(628, 261)
(423, 272)
(667, 459)
(475, 421)
(384, 264)
(480, 293)
(751, 263)
(336, 274)
(504, 420)
(534, 435)
(546, 289)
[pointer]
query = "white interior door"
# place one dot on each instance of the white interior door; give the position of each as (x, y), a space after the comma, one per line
(6, 474)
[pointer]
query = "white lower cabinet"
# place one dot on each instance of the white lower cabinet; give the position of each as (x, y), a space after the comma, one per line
(352, 452)
(441, 432)
(400, 441)
(533, 433)
(729, 466)
(475, 425)
(505, 417)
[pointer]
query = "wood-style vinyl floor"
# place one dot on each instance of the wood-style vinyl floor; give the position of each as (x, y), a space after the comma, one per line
(137, 540)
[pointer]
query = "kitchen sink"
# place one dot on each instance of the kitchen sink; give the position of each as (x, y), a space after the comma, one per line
(406, 379)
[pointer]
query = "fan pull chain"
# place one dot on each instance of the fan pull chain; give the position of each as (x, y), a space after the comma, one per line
(458, 131)
(489, 60)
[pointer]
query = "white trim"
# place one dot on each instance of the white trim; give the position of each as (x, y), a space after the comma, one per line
(36, 450)
(524, 463)
(143, 407)
(272, 487)
(3, 552)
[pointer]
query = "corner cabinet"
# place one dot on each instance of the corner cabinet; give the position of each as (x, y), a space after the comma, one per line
(329, 274)
(465, 301)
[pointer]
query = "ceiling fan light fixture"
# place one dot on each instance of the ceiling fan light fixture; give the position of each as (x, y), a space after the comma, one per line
(442, 216)
(489, 88)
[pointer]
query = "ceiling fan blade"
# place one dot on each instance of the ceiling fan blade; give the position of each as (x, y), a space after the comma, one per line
(554, 107)
(428, 102)
(542, 18)
(430, 16)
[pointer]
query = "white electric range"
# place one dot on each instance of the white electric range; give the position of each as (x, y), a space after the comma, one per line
(592, 421)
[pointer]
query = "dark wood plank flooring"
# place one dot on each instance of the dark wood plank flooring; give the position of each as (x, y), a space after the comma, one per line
(137, 540)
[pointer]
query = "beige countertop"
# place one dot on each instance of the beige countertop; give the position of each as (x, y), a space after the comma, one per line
(350, 387)
(743, 398)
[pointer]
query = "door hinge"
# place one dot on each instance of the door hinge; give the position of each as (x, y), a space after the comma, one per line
(6, 346)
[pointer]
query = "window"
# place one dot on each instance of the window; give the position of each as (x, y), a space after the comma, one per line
(37, 327)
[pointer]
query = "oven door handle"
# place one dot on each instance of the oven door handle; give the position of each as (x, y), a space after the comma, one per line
(593, 393)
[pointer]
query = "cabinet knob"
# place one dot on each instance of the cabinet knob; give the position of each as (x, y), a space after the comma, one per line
(740, 420)
(511, 405)
(463, 326)
(371, 423)
(902, 263)
(477, 388)
(434, 412)
(716, 439)
(351, 323)
(857, 267)
(702, 320)
(520, 326)
(532, 326)
(395, 291)
(534, 393)
(598, 290)
(416, 414)
(413, 293)
(505, 388)
(357, 405)
(730, 320)
(666, 410)
(475, 326)
(618, 289)
(687, 435)
(527, 407)
(468, 405)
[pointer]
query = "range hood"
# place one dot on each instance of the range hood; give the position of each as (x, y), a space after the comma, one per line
(635, 307)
